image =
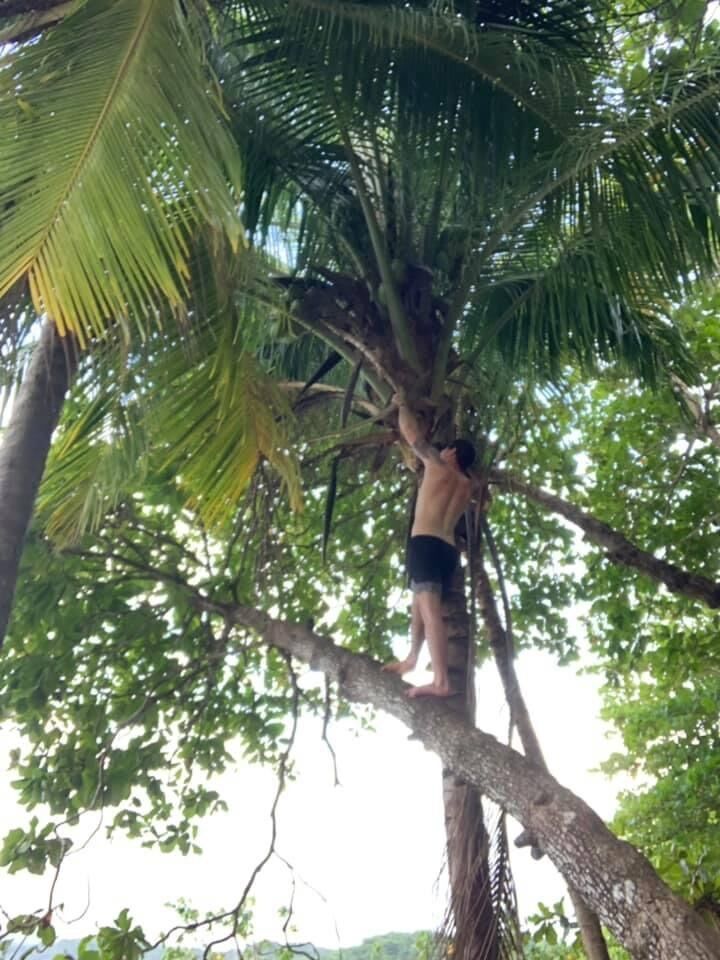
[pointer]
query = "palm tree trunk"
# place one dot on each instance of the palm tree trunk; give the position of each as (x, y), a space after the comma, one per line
(502, 648)
(24, 450)
(474, 924)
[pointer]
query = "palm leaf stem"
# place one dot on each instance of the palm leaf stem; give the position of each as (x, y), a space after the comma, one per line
(22, 26)
(376, 439)
(383, 183)
(348, 348)
(349, 397)
(325, 391)
(432, 227)
(398, 320)
(442, 354)
(518, 212)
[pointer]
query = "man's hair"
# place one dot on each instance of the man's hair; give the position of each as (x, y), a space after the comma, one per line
(464, 453)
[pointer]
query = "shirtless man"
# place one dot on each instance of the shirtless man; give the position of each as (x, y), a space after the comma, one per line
(444, 494)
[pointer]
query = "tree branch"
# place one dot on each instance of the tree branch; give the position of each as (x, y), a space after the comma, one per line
(15, 8)
(29, 17)
(619, 549)
(616, 881)
(503, 650)
(701, 416)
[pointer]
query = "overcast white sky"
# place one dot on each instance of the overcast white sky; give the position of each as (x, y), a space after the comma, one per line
(367, 854)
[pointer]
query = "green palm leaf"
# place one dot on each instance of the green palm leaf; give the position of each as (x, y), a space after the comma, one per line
(113, 152)
(100, 455)
(203, 412)
(217, 421)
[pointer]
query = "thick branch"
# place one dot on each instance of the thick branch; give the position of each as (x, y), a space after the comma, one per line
(26, 19)
(504, 654)
(619, 549)
(614, 879)
(13, 8)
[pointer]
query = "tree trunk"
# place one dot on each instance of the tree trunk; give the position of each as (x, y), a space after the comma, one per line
(614, 879)
(503, 651)
(24, 450)
(474, 924)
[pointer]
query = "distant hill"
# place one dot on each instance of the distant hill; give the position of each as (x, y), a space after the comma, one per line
(387, 946)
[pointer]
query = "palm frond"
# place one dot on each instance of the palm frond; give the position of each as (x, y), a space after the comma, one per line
(592, 298)
(215, 421)
(102, 452)
(400, 38)
(113, 152)
(665, 142)
(190, 406)
(404, 81)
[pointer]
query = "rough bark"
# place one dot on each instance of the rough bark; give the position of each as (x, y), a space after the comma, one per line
(615, 880)
(21, 21)
(474, 924)
(14, 8)
(504, 654)
(619, 549)
(24, 450)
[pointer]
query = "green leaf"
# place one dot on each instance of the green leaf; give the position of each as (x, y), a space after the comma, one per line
(116, 157)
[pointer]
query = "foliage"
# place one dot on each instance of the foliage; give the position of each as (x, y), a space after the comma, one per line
(103, 191)
(491, 207)
(386, 946)
(655, 472)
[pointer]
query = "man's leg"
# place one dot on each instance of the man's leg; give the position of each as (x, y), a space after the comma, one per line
(417, 635)
(430, 609)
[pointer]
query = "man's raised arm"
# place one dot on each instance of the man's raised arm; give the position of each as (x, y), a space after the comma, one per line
(412, 434)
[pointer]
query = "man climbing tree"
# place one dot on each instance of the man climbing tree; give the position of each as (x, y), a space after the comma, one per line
(445, 492)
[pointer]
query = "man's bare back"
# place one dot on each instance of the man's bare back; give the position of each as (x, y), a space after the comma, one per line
(445, 492)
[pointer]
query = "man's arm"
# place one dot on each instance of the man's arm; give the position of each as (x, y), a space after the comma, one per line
(411, 432)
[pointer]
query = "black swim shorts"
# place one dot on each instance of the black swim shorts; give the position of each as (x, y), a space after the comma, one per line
(431, 564)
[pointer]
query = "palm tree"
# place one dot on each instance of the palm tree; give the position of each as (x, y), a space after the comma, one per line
(450, 198)
(113, 158)
(470, 194)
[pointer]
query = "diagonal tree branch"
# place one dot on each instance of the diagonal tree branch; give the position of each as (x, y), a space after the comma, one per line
(503, 650)
(619, 549)
(18, 25)
(615, 880)
(14, 8)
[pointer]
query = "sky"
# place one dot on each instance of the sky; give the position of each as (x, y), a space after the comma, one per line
(367, 855)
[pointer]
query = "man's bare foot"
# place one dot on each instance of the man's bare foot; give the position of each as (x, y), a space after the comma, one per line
(431, 690)
(400, 666)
